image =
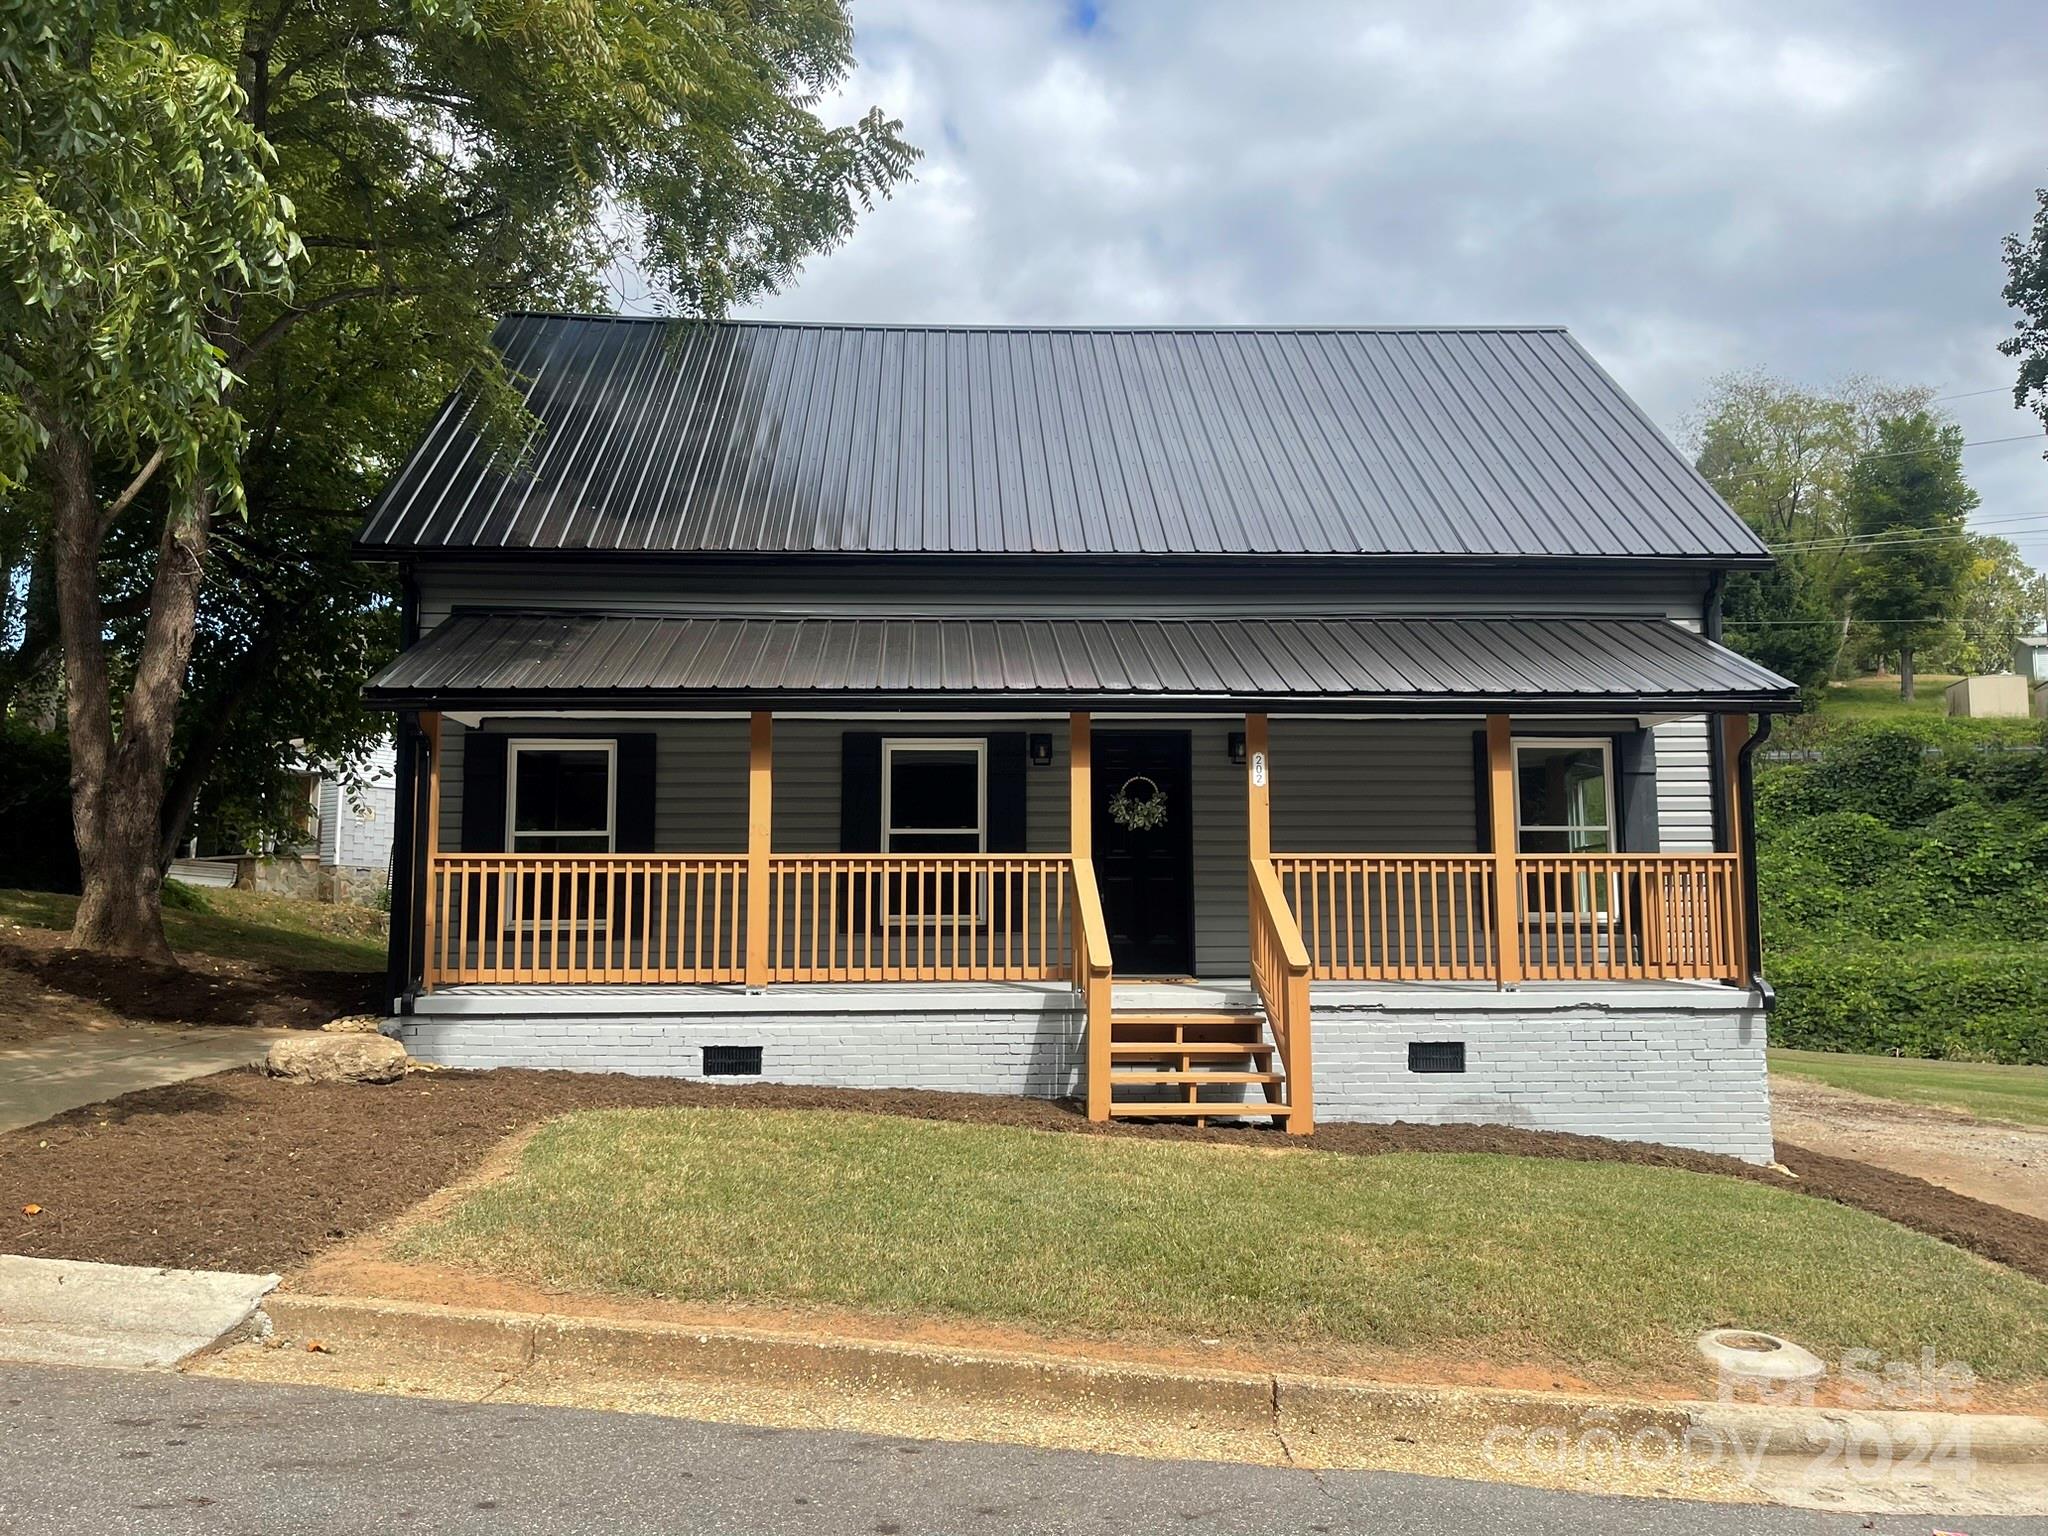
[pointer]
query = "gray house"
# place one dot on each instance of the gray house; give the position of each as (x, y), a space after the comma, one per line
(1284, 724)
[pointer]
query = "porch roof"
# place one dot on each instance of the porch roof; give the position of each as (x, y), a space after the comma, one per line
(511, 660)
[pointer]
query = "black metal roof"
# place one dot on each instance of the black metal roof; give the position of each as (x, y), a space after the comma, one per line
(485, 660)
(744, 437)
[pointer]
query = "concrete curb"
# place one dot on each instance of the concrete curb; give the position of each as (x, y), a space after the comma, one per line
(1251, 1401)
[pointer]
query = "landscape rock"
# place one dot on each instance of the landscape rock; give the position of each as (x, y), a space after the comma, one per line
(348, 1058)
(354, 1024)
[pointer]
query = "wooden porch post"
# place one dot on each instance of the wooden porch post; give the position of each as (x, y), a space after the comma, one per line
(1258, 790)
(430, 727)
(1734, 736)
(1080, 786)
(1092, 976)
(1507, 890)
(760, 825)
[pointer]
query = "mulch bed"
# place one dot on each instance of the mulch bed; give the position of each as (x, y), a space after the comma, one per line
(241, 1172)
(202, 989)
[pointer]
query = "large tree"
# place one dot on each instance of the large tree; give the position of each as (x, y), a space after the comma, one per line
(1782, 456)
(2026, 290)
(2002, 599)
(440, 161)
(136, 222)
(1910, 503)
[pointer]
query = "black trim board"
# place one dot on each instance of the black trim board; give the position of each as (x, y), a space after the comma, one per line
(711, 702)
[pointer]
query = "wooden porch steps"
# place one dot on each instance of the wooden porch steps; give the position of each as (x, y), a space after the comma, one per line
(1167, 1109)
(1140, 1048)
(1183, 1056)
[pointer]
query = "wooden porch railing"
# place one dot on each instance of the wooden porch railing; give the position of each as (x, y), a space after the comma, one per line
(1401, 917)
(919, 917)
(1631, 916)
(1582, 917)
(596, 917)
(1092, 974)
(1280, 973)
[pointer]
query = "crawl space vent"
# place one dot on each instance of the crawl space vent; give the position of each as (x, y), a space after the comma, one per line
(1436, 1055)
(732, 1061)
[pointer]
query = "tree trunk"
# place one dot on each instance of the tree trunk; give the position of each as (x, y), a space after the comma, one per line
(117, 786)
(1905, 672)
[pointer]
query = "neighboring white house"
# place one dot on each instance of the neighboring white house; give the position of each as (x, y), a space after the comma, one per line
(355, 817)
(344, 854)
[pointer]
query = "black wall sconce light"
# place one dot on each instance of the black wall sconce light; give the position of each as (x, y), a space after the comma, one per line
(1237, 747)
(1041, 751)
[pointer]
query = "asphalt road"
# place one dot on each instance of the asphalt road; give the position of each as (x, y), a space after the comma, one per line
(93, 1453)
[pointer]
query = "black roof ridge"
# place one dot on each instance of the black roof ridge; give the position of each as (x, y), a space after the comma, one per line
(723, 615)
(1030, 328)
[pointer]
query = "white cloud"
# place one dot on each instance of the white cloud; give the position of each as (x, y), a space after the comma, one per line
(1692, 185)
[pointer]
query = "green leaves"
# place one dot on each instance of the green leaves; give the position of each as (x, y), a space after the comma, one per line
(1905, 889)
(134, 213)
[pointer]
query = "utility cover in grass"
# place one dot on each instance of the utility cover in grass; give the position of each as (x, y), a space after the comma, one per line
(1605, 1270)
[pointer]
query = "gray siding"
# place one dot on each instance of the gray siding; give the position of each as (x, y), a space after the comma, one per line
(1685, 786)
(954, 588)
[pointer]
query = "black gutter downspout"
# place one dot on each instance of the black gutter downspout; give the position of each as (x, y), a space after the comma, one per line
(406, 876)
(1752, 910)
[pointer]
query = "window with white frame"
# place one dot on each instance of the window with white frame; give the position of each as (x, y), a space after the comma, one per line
(935, 801)
(561, 796)
(935, 796)
(1564, 796)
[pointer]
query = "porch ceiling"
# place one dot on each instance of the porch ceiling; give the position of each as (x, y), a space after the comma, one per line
(493, 660)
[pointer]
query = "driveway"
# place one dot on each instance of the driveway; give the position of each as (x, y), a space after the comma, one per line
(61, 1072)
(1985, 1159)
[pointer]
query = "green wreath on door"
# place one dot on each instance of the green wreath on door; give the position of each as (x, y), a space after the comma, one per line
(1139, 805)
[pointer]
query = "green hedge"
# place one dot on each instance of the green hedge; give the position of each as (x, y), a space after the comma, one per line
(1956, 1004)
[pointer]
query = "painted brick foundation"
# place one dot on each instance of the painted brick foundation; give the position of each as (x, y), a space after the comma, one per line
(1681, 1066)
(1036, 1053)
(1686, 1076)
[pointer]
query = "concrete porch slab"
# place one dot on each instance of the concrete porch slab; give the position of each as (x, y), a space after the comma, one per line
(60, 1312)
(545, 1000)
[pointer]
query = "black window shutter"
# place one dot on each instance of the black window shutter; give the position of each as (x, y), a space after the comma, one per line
(1635, 779)
(860, 817)
(1482, 794)
(483, 792)
(633, 831)
(1006, 767)
(860, 792)
(1006, 751)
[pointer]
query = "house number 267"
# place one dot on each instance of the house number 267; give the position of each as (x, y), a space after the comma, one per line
(1259, 769)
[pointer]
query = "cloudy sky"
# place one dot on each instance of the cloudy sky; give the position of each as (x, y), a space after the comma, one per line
(1816, 187)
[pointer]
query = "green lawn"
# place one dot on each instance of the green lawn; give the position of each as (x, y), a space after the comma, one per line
(242, 925)
(1990, 1092)
(1877, 696)
(1606, 1270)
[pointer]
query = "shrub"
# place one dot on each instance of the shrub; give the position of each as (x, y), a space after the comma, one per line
(1954, 1004)
(180, 897)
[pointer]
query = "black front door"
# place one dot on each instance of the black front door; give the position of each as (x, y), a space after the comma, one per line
(1144, 859)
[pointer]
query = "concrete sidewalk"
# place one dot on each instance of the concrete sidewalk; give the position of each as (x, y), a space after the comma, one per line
(57, 1312)
(51, 1076)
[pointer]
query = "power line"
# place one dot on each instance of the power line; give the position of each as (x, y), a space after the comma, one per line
(1896, 453)
(1972, 394)
(1995, 528)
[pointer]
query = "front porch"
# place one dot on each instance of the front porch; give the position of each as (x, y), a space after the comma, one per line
(1039, 969)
